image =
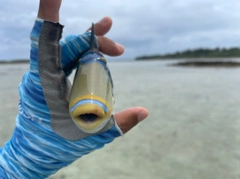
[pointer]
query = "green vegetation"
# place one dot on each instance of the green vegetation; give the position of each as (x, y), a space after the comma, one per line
(216, 64)
(197, 53)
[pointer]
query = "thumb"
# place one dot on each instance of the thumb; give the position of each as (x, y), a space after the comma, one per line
(129, 118)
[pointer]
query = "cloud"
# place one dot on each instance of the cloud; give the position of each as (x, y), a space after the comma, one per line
(143, 27)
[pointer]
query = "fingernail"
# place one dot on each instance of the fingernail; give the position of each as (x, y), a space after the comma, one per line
(142, 115)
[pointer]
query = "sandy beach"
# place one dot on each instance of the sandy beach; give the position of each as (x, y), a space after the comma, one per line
(193, 131)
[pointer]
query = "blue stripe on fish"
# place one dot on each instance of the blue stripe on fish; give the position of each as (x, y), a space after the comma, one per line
(97, 61)
(86, 101)
(90, 56)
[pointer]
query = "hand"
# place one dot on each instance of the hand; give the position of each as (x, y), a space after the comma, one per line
(45, 138)
(128, 118)
(49, 10)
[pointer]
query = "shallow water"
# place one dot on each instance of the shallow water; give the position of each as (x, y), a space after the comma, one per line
(193, 131)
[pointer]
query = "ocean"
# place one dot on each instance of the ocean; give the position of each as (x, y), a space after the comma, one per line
(192, 132)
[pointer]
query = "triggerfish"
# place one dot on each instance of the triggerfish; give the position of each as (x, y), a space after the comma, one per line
(91, 98)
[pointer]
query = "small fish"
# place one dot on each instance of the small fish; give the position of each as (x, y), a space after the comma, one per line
(91, 98)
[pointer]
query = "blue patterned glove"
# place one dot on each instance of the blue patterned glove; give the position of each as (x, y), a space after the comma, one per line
(45, 138)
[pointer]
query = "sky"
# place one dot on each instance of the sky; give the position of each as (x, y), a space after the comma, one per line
(143, 27)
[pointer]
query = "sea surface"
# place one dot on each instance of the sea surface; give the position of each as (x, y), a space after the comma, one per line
(192, 132)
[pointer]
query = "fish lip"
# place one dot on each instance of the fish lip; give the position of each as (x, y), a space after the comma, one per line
(90, 106)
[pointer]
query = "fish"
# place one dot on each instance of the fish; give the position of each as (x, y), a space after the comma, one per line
(91, 98)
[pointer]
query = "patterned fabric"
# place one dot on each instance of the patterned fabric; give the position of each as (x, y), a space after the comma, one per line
(35, 151)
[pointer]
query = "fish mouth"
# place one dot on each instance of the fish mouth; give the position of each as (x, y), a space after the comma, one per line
(90, 115)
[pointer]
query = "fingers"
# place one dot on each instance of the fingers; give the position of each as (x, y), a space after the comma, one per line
(109, 47)
(129, 118)
(103, 26)
(49, 10)
(106, 45)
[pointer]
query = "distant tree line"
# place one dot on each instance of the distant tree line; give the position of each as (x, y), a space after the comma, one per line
(14, 61)
(197, 53)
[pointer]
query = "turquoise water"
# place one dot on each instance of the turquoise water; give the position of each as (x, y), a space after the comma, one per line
(192, 132)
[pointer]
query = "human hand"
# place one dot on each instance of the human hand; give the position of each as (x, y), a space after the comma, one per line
(45, 138)
(49, 10)
(129, 117)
